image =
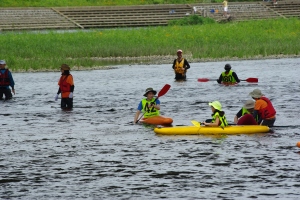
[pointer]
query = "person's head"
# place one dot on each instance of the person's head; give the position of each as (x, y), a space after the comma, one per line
(215, 106)
(179, 53)
(227, 67)
(2, 64)
(149, 93)
(249, 105)
(65, 69)
(256, 94)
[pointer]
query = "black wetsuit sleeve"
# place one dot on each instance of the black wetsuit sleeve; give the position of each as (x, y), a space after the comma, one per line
(255, 114)
(239, 114)
(59, 91)
(72, 88)
(220, 79)
(236, 77)
(174, 64)
(186, 64)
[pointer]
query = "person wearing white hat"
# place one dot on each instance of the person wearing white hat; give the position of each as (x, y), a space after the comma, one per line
(180, 66)
(244, 116)
(264, 110)
(6, 80)
(218, 116)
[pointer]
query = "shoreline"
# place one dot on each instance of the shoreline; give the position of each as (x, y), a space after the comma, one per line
(155, 60)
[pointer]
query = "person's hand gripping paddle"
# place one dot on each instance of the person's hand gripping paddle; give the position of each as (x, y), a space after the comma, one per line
(162, 92)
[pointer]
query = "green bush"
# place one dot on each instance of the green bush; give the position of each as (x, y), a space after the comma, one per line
(191, 20)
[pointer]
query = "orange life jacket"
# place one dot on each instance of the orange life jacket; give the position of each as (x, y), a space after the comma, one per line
(268, 111)
(64, 86)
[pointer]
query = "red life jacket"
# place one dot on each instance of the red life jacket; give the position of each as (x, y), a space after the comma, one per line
(4, 78)
(268, 111)
(64, 86)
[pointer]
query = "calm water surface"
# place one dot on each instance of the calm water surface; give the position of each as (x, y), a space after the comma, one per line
(94, 152)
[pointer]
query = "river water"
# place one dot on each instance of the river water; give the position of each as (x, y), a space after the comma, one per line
(94, 151)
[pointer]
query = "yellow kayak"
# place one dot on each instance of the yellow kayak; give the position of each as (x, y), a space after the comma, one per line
(207, 130)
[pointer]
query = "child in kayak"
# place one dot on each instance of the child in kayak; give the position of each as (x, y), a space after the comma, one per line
(218, 116)
(150, 106)
(244, 116)
(66, 88)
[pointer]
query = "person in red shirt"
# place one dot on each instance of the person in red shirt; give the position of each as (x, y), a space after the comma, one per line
(66, 88)
(263, 108)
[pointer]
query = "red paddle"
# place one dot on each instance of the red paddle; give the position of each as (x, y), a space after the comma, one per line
(250, 80)
(162, 92)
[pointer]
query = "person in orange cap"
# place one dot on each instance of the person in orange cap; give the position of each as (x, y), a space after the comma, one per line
(66, 88)
(180, 66)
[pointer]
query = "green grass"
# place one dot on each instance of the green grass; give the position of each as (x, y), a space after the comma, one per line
(26, 50)
(58, 3)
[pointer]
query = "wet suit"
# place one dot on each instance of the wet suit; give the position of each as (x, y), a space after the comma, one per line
(6, 80)
(234, 76)
(186, 65)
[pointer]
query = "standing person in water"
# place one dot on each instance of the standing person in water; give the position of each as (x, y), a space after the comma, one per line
(218, 116)
(263, 109)
(6, 80)
(66, 88)
(229, 77)
(180, 66)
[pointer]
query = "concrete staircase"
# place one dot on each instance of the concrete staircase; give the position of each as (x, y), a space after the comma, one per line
(125, 16)
(138, 16)
(287, 8)
(33, 19)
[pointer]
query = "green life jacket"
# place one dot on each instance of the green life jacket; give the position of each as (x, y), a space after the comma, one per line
(149, 112)
(222, 119)
(245, 111)
(228, 78)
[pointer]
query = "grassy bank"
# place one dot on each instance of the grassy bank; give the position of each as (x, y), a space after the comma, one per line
(244, 40)
(52, 3)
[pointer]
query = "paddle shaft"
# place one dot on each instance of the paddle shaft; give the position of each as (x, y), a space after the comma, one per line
(250, 80)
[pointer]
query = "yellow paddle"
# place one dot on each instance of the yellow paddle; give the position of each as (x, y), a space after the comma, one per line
(195, 123)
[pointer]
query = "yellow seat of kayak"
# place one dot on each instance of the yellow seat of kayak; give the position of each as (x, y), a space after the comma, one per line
(158, 120)
(206, 130)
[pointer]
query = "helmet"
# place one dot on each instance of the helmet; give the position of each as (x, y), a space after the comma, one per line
(227, 67)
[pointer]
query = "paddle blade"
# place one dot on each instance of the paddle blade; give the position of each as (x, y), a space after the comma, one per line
(164, 90)
(203, 79)
(195, 123)
(252, 80)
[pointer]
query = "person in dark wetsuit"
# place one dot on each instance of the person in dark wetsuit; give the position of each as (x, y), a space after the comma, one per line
(180, 66)
(228, 77)
(6, 80)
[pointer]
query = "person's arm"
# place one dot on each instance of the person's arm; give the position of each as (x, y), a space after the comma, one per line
(237, 116)
(186, 64)
(157, 104)
(72, 88)
(216, 123)
(255, 115)
(220, 79)
(137, 114)
(174, 64)
(11, 82)
(236, 77)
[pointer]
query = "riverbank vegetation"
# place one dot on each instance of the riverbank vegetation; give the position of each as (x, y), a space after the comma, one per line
(48, 50)
(52, 3)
